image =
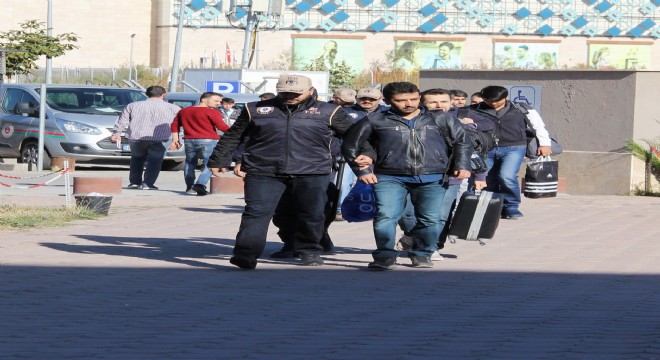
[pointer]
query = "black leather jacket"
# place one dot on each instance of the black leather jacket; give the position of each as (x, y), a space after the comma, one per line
(282, 140)
(402, 150)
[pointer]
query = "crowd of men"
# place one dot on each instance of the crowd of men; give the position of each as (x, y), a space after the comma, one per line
(299, 157)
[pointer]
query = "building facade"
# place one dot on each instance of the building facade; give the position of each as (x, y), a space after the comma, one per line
(360, 34)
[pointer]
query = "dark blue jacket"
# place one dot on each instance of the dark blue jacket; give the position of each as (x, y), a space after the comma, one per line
(281, 140)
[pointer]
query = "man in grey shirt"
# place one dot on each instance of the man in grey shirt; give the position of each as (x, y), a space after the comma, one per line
(146, 125)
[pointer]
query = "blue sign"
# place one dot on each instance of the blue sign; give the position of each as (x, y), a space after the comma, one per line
(526, 94)
(224, 87)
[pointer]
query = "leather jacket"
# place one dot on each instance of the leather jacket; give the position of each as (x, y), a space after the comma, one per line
(405, 150)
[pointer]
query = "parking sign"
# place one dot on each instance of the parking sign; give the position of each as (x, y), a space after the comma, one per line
(223, 87)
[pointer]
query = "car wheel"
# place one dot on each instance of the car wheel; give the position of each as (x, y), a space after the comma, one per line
(171, 165)
(30, 154)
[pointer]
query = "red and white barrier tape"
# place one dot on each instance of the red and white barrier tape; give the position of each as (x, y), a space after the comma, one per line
(59, 175)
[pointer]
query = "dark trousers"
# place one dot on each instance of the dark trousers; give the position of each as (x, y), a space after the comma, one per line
(285, 219)
(308, 198)
(149, 152)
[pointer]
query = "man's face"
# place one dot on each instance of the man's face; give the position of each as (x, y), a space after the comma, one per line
(476, 99)
(227, 106)
(368, 104)
(444, 51)
(404, 104)
(459, 101)
(212, 101)
(291, 98)
(437, 102)
(496, 104)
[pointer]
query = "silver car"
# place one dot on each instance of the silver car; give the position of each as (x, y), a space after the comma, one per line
(79, 122)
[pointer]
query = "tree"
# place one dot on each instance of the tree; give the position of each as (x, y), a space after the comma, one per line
(340, 73)
(33, 42)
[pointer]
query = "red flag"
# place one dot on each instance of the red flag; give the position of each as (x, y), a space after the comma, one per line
(228, 54)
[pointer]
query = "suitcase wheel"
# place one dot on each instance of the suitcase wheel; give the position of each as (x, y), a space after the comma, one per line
(482, 242)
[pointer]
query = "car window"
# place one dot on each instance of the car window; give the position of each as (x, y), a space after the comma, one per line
(183, 103)
(12, 97)
(92, 101)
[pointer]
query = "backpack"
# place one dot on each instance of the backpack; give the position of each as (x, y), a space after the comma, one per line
(482, 142)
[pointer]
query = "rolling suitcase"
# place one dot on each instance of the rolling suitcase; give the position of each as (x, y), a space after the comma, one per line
(476, 217)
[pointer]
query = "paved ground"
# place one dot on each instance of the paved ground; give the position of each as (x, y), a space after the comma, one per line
(577, 278)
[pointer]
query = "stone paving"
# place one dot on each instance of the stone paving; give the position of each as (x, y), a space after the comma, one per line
(577, 278)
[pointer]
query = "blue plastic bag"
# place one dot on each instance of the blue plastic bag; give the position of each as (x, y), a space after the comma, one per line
(359, 204)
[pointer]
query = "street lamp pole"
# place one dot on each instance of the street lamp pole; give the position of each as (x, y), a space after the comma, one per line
(174, 76)
(49, 33)
(130, 61)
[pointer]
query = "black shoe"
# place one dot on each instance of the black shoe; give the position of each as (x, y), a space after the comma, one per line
(133, 186)
(243, 262)
(148, 187)
(421, 262)
(189, 190)
(383, 264)
(311, 259)
(200, 189)
(512, 216)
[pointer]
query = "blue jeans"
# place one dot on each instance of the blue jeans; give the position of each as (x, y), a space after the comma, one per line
(408, 220)
(149, 152)
(198, 149)
(426, 198)
(503, 166)
(307, 199)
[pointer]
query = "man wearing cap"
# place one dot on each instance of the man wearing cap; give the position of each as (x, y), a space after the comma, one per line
(287, 151)
(344, 97)
(368, 101)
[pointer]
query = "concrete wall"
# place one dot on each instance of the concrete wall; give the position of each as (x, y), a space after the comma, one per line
(591, 113)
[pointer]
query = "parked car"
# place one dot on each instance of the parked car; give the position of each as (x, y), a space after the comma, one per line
(79, 122)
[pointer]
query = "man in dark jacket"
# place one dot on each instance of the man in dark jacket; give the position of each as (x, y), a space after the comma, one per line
(412, 158)
(287, 151)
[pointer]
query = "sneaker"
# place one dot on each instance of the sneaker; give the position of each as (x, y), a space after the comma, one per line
(405, 243)
(133, 186)
(421, 262)
(338, 217)
(200, 189)
(189, 190)
(243, 262)
(311, 259)
(147, 187)
(383, 264)
(437, 256)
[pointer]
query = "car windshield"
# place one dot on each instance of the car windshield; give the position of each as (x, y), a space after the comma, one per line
(92, 101)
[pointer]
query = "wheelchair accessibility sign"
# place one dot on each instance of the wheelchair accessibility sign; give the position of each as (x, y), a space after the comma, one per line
(526, 94)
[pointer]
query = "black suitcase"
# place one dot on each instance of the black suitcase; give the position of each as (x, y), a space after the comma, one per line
(476, 217)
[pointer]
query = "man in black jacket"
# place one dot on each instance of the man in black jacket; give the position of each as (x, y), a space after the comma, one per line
(287, 151)
(411, 144)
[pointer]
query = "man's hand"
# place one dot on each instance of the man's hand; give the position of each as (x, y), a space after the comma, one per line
(479, 185)
(544, 151)
(115, 138)
(237, 171)
(363, 161)
(175, 145)
(369, 179)
(462, 174)
(467, 121)
(217, 171)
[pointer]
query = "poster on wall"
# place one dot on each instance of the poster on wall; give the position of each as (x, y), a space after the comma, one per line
(320, 54)
(619, 56)
(424, 54)
(529, 56)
